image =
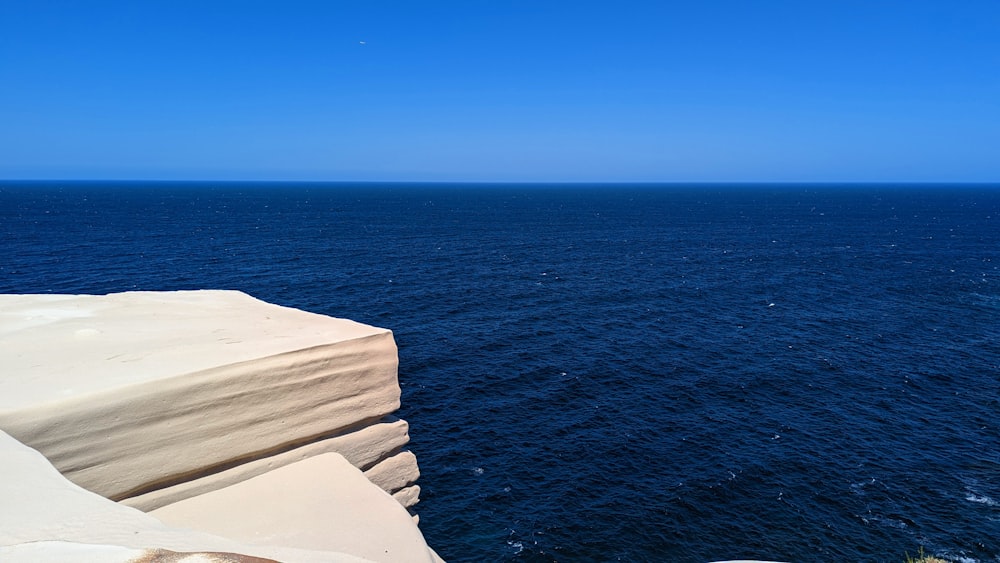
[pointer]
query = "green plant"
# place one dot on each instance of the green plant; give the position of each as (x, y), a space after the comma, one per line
(922, 558)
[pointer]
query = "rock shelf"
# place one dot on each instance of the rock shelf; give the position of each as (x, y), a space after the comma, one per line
(193, 404)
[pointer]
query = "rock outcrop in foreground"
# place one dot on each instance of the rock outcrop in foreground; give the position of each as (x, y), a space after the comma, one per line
(210, 411)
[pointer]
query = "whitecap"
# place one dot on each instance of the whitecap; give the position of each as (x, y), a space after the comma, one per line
(980, 499)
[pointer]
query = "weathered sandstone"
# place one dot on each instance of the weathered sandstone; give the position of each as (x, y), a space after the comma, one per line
(209, 407)
(282, 507)
(113, 389)
(363, 448)
(44, 517)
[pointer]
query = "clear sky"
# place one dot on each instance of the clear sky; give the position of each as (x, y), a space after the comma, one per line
(475, 90)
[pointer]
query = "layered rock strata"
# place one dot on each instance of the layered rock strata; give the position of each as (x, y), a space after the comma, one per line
(44, 517)
(155, 398)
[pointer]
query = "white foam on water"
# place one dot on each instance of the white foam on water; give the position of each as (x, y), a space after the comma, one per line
(981, 499)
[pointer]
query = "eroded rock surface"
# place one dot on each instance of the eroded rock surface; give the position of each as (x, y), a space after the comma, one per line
(132, 393)
(45, 517)
(184, 403)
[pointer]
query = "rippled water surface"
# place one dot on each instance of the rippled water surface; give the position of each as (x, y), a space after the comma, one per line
(601, 373)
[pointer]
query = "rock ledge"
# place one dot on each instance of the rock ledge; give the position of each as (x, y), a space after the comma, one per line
(203, 407)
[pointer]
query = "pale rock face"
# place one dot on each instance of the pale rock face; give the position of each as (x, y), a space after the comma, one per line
(44, 517)
(207, 399)
(407, 496)
(396, 472)
(111, 388)
(61, 339)
(363, 448)
(58, 551)
(285, 507)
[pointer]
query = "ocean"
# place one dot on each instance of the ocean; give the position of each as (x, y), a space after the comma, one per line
(617, 372)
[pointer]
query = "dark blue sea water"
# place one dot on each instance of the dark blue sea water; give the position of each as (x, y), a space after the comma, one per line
(618, 373)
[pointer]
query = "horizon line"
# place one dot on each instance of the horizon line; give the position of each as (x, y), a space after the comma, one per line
(509, 183)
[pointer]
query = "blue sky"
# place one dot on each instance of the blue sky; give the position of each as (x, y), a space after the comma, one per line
(471, 90)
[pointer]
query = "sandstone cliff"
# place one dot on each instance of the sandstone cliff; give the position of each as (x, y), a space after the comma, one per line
(209, 408)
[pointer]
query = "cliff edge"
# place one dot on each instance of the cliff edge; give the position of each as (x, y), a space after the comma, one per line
(214, 411)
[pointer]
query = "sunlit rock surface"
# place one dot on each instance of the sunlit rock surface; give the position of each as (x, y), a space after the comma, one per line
(44, 517)
(154, 398)
(283, 506)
